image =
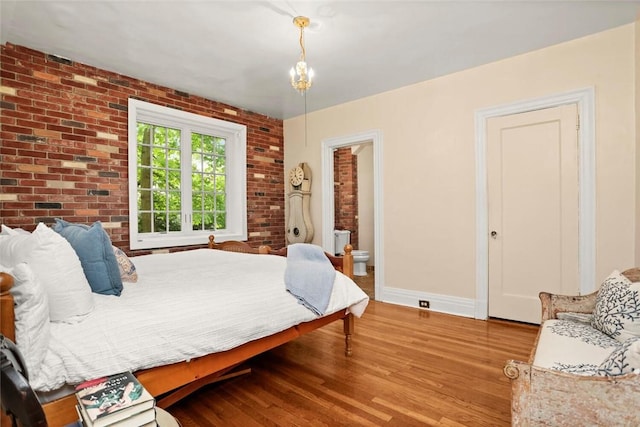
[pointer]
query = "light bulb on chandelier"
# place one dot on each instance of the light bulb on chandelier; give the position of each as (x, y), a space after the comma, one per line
(301, 75)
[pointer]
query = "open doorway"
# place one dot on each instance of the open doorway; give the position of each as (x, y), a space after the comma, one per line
(353, 209)
(352, 203)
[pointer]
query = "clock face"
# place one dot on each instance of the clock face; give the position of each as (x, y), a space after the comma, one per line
(296, 175)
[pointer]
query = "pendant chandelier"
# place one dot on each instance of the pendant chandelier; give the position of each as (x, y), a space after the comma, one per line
(301, 75)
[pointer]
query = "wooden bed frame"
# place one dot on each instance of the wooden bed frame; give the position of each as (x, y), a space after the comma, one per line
(170, 383)
(540, 396)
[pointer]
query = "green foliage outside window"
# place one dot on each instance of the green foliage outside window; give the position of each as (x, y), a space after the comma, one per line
(160, 183)
(208, 182)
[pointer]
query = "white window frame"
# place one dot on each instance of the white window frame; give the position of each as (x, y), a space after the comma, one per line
(236, 183)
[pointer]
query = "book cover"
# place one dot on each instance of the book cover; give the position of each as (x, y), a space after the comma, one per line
(104, 401)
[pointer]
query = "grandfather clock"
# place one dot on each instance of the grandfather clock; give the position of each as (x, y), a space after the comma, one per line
(299, 227)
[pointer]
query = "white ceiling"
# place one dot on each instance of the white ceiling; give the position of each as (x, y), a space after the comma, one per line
(240, 52)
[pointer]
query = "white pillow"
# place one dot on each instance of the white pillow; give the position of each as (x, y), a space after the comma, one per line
(31, 316)
(58, 268)
(617, 310)
(6, 231)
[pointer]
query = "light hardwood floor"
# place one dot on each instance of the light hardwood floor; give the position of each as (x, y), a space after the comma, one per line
(410, 368)
(367, 283)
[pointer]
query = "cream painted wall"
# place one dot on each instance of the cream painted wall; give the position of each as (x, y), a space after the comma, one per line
(428, 132)
(365, 200)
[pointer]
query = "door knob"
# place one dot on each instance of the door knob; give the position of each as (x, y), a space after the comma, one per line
(494, 234)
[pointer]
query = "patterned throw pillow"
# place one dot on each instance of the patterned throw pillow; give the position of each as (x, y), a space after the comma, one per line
(127, 269)
(625, 359)
(617, 311)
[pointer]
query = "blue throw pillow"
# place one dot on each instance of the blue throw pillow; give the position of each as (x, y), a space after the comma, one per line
(93, 246)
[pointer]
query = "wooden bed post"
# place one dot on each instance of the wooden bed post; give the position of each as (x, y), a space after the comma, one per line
(347, 261)
(264, 250)
(7, 327)
(348, 324)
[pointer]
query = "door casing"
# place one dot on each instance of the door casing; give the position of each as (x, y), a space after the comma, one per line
(328, 220)
(585, 100)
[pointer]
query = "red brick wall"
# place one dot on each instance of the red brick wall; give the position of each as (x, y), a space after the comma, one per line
(64, 146)
(345, 166)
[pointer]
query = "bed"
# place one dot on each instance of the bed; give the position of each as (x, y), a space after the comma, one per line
(200, 356)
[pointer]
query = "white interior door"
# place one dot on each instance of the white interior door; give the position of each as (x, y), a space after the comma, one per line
(532, 186)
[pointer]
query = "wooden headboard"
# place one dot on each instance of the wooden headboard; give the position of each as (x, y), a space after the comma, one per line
(7, 317)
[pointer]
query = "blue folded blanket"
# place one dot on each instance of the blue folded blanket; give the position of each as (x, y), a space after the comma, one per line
(309, 276)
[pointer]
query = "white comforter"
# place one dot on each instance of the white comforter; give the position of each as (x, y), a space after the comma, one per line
(184, 305)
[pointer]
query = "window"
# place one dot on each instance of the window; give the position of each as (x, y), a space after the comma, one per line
(187, 178)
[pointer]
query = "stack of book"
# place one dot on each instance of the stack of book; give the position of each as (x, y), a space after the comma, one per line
(115, 401)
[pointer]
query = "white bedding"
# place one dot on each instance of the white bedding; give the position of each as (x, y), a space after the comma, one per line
(184, 305)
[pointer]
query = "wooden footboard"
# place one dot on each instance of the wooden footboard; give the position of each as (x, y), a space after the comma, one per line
(543, 397)
(178, 380)
(342, 263)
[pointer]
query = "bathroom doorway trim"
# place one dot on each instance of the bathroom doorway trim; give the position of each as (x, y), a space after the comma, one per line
(328, 216)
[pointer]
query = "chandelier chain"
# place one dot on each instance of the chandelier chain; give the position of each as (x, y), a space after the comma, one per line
(301, 75)
(303, 54)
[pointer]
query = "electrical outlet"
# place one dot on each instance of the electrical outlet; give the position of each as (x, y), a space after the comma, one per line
(423, 303)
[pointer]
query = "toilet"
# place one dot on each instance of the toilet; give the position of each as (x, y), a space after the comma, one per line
(360, 258)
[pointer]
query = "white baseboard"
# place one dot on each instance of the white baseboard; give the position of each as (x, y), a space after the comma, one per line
(441, 303)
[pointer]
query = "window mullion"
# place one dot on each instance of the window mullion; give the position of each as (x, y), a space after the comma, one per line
(187, 209)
